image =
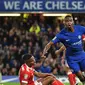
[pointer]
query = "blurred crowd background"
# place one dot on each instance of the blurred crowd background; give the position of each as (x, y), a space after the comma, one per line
(30, 34)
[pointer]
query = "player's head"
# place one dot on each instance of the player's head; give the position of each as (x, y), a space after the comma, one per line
(29, 59)
(68, 21)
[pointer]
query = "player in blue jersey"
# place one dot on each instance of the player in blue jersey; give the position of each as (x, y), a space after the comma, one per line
(70, 36)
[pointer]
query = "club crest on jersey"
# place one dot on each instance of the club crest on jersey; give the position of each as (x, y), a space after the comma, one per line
(25, 76)
(79, 36)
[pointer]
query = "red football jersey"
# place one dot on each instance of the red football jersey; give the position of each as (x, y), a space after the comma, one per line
(26, 75)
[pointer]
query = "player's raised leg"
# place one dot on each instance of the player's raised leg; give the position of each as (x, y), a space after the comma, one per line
(77, 70)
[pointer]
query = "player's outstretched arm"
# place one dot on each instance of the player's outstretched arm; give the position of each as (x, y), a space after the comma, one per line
(47, 47)
(42, 75)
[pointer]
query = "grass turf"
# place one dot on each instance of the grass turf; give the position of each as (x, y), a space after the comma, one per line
(10, 83)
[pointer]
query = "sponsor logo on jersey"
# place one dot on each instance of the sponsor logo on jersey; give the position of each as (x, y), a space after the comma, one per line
(77, 43)
(25, 76)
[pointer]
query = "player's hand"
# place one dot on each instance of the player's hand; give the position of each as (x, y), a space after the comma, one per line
(43, 57)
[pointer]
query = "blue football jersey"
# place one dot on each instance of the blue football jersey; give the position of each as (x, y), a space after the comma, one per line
(71, 40)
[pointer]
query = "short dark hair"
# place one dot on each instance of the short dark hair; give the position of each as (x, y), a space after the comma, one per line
(26, 56)
(68, 16)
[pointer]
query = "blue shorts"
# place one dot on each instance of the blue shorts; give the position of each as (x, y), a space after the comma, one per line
(77, 62)
(77, 66)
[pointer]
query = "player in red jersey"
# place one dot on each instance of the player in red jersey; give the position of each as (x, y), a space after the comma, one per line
(27, 73)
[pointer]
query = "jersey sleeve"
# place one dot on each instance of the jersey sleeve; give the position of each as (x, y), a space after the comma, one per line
(55, 39)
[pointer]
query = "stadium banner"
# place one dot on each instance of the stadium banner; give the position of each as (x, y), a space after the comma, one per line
(42, 6)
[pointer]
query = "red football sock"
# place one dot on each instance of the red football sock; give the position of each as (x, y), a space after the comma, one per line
(71, 78)
(56, 82)
(74, 78)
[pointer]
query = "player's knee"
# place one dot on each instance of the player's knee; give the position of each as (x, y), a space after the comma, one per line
(82, 78)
